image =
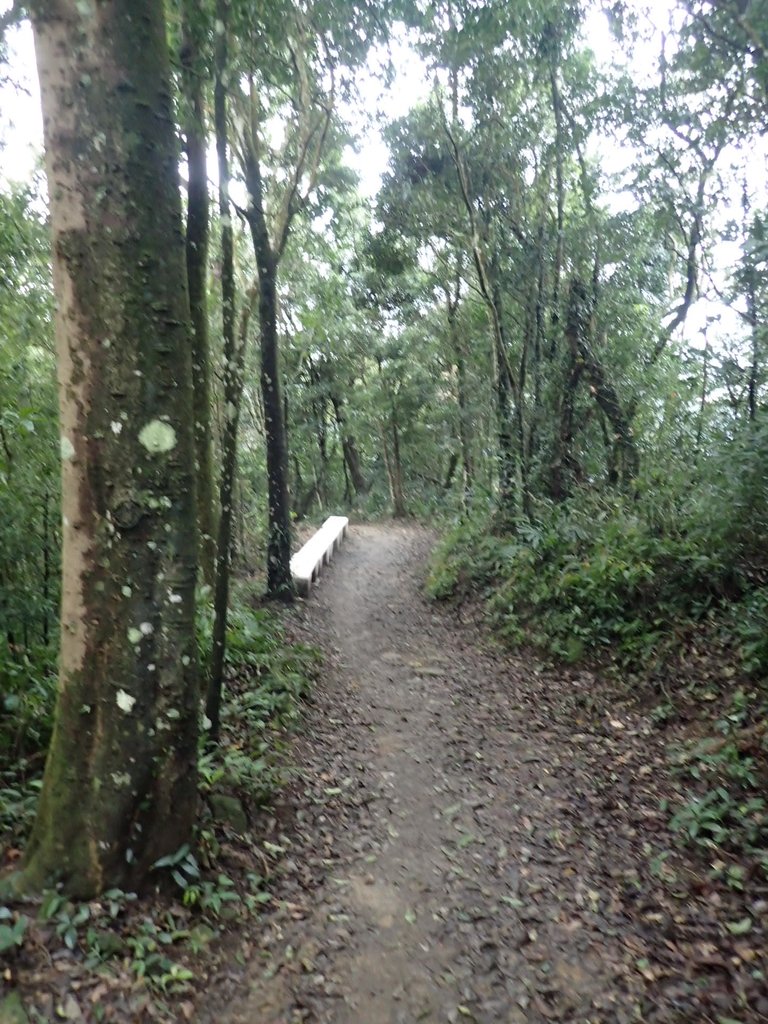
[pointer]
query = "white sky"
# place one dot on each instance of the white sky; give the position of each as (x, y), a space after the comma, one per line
(21, 122)
(21, 125)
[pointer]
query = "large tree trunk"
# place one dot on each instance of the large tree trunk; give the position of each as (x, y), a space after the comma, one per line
(194, 76)
(120, 784)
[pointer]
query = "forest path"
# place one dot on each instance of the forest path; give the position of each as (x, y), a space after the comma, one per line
(463, 844)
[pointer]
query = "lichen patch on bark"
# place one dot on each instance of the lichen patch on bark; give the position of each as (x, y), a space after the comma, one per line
(158, 437)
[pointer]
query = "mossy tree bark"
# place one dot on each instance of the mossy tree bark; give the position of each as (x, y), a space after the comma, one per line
(120, 785)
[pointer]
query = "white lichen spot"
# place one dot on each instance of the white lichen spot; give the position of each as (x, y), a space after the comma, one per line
(116, 426)
(66, 448)
(65, 521)
(185, 660)
(173, 714)
(106, 343)
(134, 635)
(126, 591)
(151, 667)
(174, 598)
(147, 629)
(158, 437)
(125, 701)
(121, 779)
(206, 722)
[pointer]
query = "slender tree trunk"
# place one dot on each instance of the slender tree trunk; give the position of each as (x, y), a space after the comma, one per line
(46, 564)
(754, 366)
(193, 77)
(349, 448)
(394, 473)
(538, 343)
(563, 462)
(506, 447)
(450, 473)
(120, 787)
(577, 332)
(507, 413)
(465, 428)
(557, 107)
(703, 398)
(234, 356)
(279, 580)
(611, 454)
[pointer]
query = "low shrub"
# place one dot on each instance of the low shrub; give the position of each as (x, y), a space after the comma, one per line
(593, 581)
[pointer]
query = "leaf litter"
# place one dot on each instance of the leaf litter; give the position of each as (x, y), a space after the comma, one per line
(503, 831)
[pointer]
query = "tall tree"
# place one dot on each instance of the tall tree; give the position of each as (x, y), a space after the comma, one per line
(120, 786)
(194, 78)
(233, 357)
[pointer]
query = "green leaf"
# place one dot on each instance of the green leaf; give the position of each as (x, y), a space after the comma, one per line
(740, 927)
(172, 859)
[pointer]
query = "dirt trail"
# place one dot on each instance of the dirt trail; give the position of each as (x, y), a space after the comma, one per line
(466, 843)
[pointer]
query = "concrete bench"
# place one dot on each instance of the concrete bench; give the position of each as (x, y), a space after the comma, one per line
(317, 552)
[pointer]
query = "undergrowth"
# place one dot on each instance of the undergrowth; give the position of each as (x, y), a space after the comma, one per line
(603, 583)
(152, 944)
(675, 605)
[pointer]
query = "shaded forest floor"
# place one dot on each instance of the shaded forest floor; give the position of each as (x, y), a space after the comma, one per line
(466, 835)
(474, 837)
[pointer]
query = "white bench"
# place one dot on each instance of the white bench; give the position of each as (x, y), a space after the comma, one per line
(317, 552)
